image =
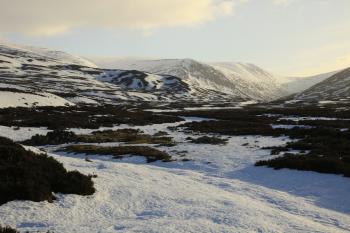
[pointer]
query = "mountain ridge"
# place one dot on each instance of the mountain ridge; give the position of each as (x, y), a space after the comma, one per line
(334, 88)
(214, 76)
(36, 71)
(40, 71)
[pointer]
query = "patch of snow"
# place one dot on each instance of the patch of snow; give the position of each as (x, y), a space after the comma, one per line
(327, 102)
(295, 118)
(163, 110)
(290, 126)
(13, 99)
(144, 96)
(81, 99)
(21, 133)
(246, 103)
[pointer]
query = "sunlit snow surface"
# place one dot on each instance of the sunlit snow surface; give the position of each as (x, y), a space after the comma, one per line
(12, 99)
(218, 191)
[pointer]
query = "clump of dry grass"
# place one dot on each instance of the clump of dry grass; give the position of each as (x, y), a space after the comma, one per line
(129, 136)
(208, 140)
(7, 229)
(25, 175)
(151, 154)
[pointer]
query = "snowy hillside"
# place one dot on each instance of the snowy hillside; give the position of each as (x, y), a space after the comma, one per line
(32, 70)
(23, 99)
(336, 87)
(137, 80)
(58, 56)
(240, 80)
(252, 80)
(41, 72)
(298, 84)
(79, 81)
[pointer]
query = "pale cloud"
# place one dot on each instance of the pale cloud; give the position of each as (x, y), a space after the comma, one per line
(283, 2)
(226, 7)
(327, 58)
(326, 66)
(51, 17)
(342, 62)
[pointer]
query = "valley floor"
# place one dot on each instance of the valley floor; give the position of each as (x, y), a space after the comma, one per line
(218, 190)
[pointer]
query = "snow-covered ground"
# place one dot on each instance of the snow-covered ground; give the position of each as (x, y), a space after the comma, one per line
(219, 190)
(298, 118)
(14, 99)
(21, 133)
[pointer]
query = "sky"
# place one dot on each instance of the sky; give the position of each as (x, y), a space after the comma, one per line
(286, 37)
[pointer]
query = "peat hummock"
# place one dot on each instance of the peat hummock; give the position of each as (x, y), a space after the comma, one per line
(25, 175)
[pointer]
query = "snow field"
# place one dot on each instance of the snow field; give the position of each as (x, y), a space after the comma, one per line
(13, 99)
(219, 191)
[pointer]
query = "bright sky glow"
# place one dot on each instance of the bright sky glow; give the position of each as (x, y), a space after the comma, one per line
(287, 37)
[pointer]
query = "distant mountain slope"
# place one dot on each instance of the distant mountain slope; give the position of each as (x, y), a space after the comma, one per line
(251, 79)
(240, 80)
(298, 84)
(38, 72)
(34, 74)
(337, 87)
(43, 53)
(138, 80)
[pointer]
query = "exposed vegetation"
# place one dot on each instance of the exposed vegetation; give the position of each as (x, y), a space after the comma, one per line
(325, 143)
(208, 140)
(118, 152)
(272, 111)
(28, 176)
(92, 117)
(322, 164)
(325, 147)
(129, 136)
(7, 229)
(339, 123)
(328, 151)
(160, 134)
(55, 137)
(233, 128)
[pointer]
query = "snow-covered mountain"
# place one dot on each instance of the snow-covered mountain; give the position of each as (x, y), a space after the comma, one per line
(252, 80)
(38, 76)
(239, 80)
(138, 80)
(39, 71)
(32, 73)
(334, 88)
(298, 84)
(42, 54)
